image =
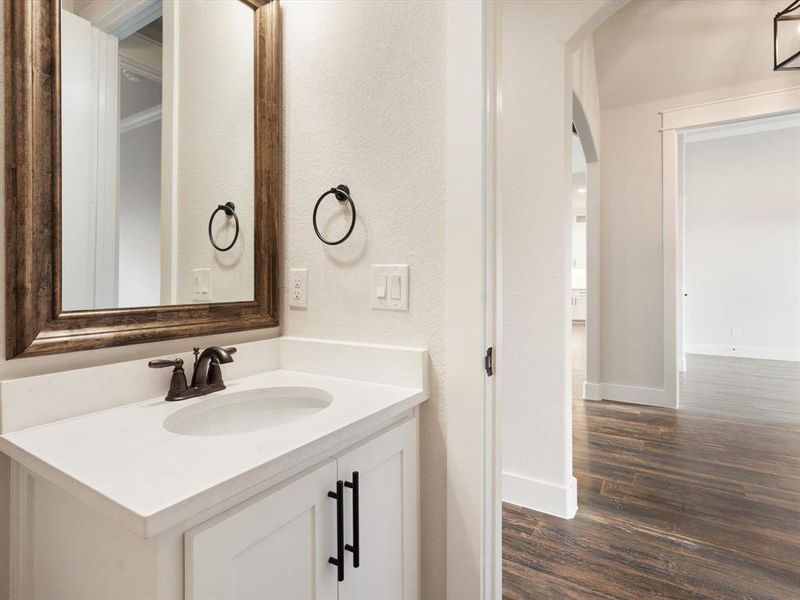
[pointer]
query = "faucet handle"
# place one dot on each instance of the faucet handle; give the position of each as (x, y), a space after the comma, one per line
(177, 385)
(214, 374)
(161, 363)
(231, 350)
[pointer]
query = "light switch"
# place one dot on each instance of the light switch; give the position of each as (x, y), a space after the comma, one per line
(395, 279)
(201, 285)
(380, 290)
(389, 289)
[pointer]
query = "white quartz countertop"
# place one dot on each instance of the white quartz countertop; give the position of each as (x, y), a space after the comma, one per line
(123, 462)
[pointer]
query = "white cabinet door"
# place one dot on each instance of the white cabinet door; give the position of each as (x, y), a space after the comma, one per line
(388, 517)
(581, 305)
(275, 547)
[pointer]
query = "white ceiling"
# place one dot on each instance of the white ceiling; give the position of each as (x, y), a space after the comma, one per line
(654, 49)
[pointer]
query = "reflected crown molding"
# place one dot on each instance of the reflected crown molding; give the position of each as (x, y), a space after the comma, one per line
(121, 19)
(142, 56)
(140, 119)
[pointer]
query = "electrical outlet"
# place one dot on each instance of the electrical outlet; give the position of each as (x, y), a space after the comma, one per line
(298, 288)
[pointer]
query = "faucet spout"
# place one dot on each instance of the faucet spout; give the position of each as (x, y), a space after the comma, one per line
(207, 376)
(208, 362)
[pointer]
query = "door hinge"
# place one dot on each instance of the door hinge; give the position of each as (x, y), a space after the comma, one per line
(488, 362)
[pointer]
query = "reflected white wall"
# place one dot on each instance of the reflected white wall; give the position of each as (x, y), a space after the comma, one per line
(140, 215)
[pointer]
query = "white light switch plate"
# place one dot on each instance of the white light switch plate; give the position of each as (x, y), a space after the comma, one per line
(298, 288)
(389, 287)
(201, 285)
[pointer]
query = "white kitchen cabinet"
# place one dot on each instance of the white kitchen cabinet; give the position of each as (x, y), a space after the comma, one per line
(278, 545)
(578, 301)
(579, 240)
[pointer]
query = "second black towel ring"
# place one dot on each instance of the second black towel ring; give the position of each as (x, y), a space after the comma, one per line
(342, 193)
(229, 209)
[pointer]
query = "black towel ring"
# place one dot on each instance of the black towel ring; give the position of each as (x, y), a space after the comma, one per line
(229, 209)
(342, 193)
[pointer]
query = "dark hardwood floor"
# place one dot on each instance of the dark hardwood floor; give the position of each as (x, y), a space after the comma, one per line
(703, 502)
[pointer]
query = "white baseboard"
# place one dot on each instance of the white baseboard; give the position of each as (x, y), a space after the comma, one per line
(682, 364)
(592, 391)
(631, 394)
(787, 354)
(541, 496)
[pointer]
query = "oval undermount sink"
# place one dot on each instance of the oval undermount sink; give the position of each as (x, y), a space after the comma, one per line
(248, 410)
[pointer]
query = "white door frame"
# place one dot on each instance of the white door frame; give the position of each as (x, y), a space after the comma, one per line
(492, 546)
(169, 153)
(673, 122)
(106, 292)
(473, 491)
(474, 290)
(591, 389)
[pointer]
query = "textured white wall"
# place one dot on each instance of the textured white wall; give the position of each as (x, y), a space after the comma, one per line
(215, 145)
(632, 315)
(364, 86)
(534, 179)
(743, 244)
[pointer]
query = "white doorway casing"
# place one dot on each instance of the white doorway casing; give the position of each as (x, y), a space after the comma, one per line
(740, 239)
(673, 122)
(587, 136)
(90, 137)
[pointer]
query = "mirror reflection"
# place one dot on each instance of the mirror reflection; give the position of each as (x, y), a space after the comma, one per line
(157, 106)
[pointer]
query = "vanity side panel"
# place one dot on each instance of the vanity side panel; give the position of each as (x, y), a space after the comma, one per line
(79, 554)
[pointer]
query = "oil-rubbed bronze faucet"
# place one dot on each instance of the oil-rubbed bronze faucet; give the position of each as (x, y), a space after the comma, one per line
(207, 375)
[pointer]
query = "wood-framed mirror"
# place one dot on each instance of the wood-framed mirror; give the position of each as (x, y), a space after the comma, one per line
(100, 251)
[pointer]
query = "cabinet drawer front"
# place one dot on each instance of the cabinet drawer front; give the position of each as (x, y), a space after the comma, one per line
(275, 547)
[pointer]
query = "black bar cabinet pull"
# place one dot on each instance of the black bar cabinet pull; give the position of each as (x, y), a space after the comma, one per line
(338, 495)
(356, 547)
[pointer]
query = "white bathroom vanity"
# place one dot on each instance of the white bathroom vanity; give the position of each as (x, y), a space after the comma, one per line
(299, 480)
